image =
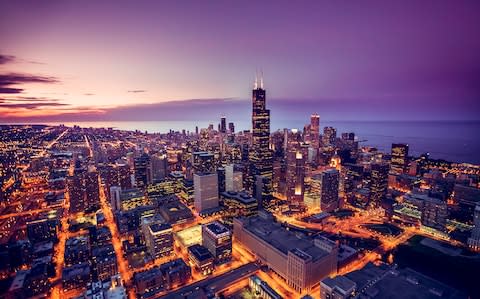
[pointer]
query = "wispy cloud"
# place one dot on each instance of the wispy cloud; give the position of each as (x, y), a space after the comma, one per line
(6, 58)
(7, 80)
(31, 105)
(88, 94)
(137, 91)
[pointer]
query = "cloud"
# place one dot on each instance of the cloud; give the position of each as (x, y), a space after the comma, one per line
(137, 91)
(88, 94)
(10, 90)
(27, 99)
(6, 58)
(6, 80)
(31, 105)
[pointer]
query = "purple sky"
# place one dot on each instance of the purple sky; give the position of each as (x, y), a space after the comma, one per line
(129, 60)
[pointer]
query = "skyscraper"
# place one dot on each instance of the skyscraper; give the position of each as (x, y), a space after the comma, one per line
(158, 238)
(115, 202)
(295, 168)
(159, 167)
(315, 130)
(328, 189)
(474, 240)
(398, 163)
(143, 171)
(378, 183)
(260, 155)
(231, 127)
(92, 188)
(205, 191)
(223, 125)
(329, 136)
(434, 213)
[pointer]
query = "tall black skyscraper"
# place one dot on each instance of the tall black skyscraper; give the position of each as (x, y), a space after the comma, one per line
(223, 125)
(260, 155)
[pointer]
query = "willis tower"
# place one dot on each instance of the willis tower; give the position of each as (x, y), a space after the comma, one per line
(260, 156)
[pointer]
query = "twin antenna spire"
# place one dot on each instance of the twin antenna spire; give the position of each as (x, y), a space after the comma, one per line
(256, 85)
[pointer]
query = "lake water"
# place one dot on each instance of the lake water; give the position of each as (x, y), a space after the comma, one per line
(450, 140)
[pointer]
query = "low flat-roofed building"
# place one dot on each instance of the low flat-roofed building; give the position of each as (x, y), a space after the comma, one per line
(17, 288)
(77, 250)
(201, 258)
(104, 262)
(76, 276)
(150, 281)
(262, 288)
(239, 203)
(387, 282)
(339, 287)
(189, 236)
(300, 260)
(133, 198)
(173, 211)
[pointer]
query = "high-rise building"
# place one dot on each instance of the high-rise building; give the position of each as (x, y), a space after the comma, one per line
(76, 190)
(218, 240)
(399, 160)
(205, 191)
(92, 187)
(378, 183)
(115, 201)
(231, 127)
(295, 186)
(159, 167)
(295, 167)
(474, 240)
(221, 179)
(223, 125)
(329, 136)
(124, 176)
(315, 131)
(143, 171)
(158, 238)
(327, 183)
(233, 179)
(260, 155)
(203, 162)
(434, 213)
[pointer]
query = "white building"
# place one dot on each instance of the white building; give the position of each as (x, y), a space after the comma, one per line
(205, 191)
(233, 179)
(115, 202)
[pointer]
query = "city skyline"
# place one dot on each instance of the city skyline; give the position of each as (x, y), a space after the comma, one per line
(371, 61)
(132, 166)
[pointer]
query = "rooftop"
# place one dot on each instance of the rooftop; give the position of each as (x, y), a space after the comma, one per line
(190, 236)
(160, 227)
(200, 252)
(216, 228)
(389, 281)
(341, 283)
(242, 197)
(282, 239)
